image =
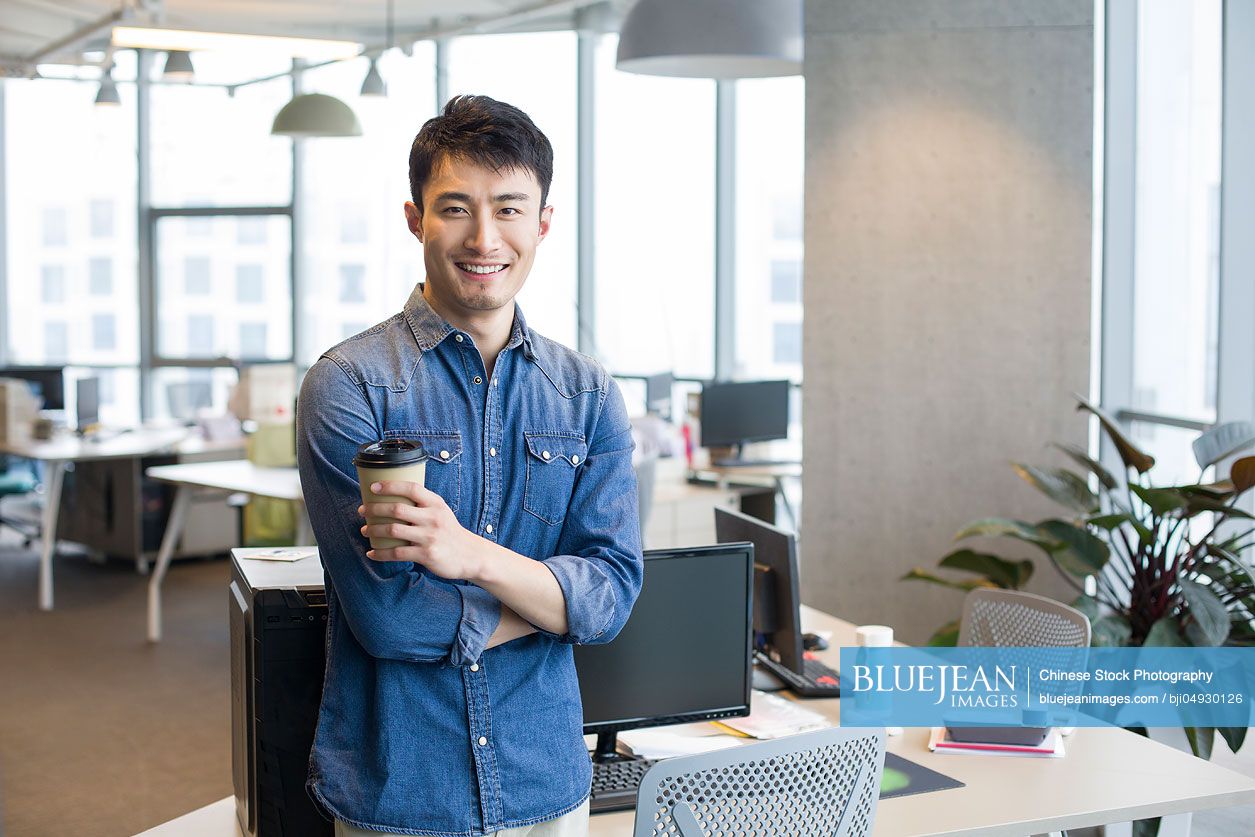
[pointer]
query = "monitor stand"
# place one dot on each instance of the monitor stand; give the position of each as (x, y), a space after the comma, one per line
(607, 749)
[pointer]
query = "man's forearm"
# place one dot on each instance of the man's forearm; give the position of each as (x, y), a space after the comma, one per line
(524, 586)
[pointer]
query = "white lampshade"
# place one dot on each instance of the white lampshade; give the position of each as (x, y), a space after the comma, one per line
(316, 115)
(178, 66)
(723, 39)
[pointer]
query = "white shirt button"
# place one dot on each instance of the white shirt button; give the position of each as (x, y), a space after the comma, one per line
(544, 454)
(483, 742)
(457, 337)
(478, 380)
(488, 528)
(492, 451)
(474, 666)
(575, 460)
(444, 454)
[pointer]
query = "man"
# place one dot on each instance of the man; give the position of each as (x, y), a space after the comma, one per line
(451, 704)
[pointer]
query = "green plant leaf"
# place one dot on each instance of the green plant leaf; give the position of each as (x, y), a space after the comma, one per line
(1080, 457)
(1198, 503)
(966, 584)
(1111, 522)
(1130, 455)
(1162, 501)
(1111, 631)
(1242, 474)
(1001, 527)
(1222, 490)
(1208, 613)
(1089, 606)
(1012, 575)
(1201, 740)
(1078, 551)
(1062, 486)
(1165, 633)
(1223, 440)
(1233, 736)
(947, 636)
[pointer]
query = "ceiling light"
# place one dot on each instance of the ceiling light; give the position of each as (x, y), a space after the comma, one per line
(373, 84)
(187, 40)
(178, 66)
(108, 93)
(316, 115)
(721, 39)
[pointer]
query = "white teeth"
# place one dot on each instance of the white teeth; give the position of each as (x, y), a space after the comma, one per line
(482, 268)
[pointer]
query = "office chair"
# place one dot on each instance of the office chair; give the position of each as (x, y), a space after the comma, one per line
(17, 478)
(1013, 618)
(825, 782)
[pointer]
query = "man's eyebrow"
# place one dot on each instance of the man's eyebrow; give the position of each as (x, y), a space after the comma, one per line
(505, 197)
(454, 196)
(511, 197)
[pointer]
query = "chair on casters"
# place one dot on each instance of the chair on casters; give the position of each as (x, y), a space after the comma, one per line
(825, 782)
(1011, 618)
(18, 478)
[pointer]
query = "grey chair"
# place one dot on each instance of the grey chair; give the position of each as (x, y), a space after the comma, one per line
(1013, 618)
(818, 783)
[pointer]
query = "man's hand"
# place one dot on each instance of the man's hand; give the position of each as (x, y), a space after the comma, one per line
(435, 538)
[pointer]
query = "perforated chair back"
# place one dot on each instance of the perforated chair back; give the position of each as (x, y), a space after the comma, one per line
(818, 783)
(1013, 618)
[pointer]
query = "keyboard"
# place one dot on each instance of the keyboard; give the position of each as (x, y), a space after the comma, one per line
(816, 679)
(615, 784)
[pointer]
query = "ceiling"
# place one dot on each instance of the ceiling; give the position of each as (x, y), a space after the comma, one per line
(29, 27)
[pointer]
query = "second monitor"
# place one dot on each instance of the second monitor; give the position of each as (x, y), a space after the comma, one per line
(734, 414)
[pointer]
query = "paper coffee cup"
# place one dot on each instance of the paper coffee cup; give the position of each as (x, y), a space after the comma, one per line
(874, 636)
(390, 459)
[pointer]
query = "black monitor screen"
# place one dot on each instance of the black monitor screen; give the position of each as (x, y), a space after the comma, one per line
(46, 382)
(684, 654)
(744, 412)
(87, 402)
(658, 393)
(775, 553)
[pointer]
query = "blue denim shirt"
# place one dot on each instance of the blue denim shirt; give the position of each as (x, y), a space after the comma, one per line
(422, 730)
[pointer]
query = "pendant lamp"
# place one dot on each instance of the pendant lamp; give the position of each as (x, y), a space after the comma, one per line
(107, 95)
(316, 115)
(178, 66)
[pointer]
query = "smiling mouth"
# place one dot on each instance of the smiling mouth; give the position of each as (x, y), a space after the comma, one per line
(481, 269)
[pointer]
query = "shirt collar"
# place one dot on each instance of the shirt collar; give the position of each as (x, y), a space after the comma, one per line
(430, 328)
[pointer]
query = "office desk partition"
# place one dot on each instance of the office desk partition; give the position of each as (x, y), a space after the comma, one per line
(1107, 776)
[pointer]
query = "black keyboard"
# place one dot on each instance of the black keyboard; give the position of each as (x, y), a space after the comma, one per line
(816, 679)
(615, 783)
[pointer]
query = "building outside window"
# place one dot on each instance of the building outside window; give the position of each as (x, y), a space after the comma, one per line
(352, 283)
(252, 341)
(249, 283)
(52, 284)
(56, 342)
(200, 335)
(251, 229)
(56, 227)
(101, 213)
(100, 276)
(104, 332)
(196, 279)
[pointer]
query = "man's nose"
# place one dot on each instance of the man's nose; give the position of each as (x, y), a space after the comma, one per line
(484, 236)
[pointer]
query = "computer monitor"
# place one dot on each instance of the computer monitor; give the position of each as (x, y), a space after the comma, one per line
(658, 394)
(186, 399)
(47, 382)
(736, 413)
(684, 654)
(777, 621)
(86, 403)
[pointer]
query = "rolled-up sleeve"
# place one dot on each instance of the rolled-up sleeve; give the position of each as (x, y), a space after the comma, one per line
(394, 609)
(599, 562)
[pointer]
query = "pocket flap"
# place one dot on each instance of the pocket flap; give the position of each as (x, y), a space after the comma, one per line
(556, 447)
(441, 445)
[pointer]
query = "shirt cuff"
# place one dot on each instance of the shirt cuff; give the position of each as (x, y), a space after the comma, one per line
(481, 613)
(590, 600)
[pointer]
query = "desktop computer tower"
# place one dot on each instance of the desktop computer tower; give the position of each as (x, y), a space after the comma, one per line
(278, 632)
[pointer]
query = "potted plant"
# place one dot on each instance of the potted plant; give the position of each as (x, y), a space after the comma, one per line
(1152, 565)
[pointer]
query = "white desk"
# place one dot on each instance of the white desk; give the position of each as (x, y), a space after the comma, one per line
(235, 477)
(1107, 776)
(56, 454)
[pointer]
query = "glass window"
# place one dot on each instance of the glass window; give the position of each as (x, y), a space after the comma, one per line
(56, 227)
(56, 341)
(217, 285)
(490, 64)
(183, 393)
(353, 191)
(242, 166)
(351, 329)
(1177, 231)
(104, 332)
(101, 218)
(251, 229)
(52, 284)
(252, 340)
(352, 283)
(769, 178)
(100, 276)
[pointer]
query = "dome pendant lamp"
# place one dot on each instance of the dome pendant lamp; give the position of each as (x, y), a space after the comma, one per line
(316, 115)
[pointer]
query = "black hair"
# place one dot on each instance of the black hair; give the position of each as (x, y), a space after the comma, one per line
(484, 131)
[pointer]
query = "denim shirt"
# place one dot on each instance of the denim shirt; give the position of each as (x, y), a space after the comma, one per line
(422, 730)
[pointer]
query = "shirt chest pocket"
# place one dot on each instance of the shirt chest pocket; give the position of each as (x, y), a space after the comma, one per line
(553, 460)
(444, 461)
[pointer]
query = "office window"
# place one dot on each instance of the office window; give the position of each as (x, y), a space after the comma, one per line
(196, 279)
(101, 213)
(52, 284)
(56, 227)
(104, 332)
(655, 216)
(353, 192)
(198, 226)
(769, 179)
(200, 336)
(249, 283)
(488, 64)
(352, 283)
(100, 276)
(56, 341)
(252, 341)
(352, 329)
(251, 229)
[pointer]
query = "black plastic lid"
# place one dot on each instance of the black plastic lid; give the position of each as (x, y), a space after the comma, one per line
(390, 452)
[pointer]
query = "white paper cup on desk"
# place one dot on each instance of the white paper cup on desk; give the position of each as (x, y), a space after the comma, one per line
(876, 636)
(390, 459)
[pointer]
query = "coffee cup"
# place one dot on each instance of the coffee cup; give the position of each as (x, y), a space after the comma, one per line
(389, 459)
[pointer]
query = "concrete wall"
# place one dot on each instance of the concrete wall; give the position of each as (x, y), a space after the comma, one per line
(949, 155)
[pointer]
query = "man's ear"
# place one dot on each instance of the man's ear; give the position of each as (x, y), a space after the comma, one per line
(414, 219)
(546, 218)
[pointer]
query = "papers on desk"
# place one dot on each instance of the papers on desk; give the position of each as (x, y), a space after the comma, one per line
(1051, 748)
(683, 740)
(278, 553)
(772, 716)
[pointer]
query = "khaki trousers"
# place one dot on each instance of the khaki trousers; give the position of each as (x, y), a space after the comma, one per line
(573, 824)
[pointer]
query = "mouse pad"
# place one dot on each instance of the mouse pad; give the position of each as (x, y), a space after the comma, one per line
(906, 778)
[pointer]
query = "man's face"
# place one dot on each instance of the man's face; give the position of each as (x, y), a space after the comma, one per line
(479, 230)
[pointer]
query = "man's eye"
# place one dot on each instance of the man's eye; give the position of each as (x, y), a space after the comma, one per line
(509, 210)
(450, 210)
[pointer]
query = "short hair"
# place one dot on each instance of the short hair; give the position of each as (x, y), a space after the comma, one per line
(481, 130)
